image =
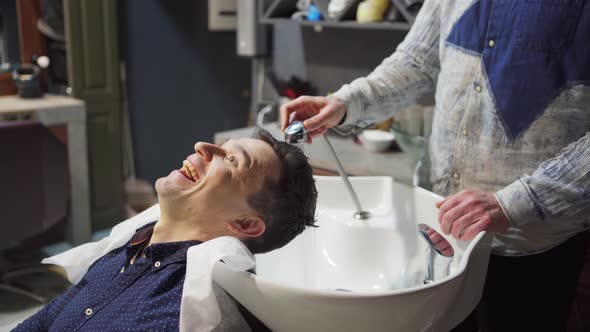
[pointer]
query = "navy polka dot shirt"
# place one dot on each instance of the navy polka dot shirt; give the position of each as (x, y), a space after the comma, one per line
(115, 295)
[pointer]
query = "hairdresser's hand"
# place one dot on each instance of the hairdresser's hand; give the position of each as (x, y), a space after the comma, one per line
(468, 212)
(317, 113)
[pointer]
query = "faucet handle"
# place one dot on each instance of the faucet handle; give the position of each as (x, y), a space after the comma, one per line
(440, 254)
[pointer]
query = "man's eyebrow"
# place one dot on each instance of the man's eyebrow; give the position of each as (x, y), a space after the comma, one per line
(242, 151)
(246, 155)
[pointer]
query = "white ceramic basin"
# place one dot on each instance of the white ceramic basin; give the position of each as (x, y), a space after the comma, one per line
(351, 275)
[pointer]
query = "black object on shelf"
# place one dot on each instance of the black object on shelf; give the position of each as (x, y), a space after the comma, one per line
(26, 78)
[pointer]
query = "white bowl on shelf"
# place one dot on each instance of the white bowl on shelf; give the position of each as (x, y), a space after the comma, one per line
(376, 140)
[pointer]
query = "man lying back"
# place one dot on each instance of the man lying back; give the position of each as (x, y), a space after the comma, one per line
(258, 190)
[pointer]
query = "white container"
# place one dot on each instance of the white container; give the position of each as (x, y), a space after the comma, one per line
(376, 140)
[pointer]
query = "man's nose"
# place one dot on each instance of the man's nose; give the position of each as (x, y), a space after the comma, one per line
(208, 150)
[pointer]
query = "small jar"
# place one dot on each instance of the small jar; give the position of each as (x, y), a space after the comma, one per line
(26, 78)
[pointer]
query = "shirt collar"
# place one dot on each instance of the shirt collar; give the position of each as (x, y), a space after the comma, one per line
(165, 253)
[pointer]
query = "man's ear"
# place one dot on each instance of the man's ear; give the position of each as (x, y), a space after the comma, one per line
(249, 226)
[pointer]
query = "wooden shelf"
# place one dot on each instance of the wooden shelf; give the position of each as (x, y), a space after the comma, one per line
(279, 12)
(399, 26)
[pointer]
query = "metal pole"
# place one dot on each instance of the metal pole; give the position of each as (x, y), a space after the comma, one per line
(360, 213)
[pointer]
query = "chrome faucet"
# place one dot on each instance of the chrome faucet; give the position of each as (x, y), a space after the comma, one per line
(439, 254)
(295, 133)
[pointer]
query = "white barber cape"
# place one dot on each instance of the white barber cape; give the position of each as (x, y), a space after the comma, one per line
(199, 309)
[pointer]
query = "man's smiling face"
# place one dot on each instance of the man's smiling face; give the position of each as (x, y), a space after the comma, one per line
(216, 181)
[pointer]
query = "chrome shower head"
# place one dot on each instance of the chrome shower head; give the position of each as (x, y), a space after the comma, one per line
(295, 133)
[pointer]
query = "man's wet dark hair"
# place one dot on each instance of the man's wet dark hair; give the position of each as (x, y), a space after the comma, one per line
(288, 206)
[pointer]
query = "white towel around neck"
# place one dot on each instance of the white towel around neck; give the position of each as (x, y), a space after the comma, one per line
(199, 310)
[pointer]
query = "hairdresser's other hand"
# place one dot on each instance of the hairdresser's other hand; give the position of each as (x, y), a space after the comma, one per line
(468, 212)
(317, 113)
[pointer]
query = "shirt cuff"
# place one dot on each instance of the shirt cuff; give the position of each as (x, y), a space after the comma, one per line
(518, 204)
(353, 105)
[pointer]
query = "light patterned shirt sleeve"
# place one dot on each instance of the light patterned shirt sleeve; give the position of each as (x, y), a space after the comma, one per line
(560, 187)
(400, 79)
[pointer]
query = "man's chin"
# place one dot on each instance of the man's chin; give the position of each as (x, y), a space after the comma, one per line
(160, 187)
(166, 189)
(169, 189)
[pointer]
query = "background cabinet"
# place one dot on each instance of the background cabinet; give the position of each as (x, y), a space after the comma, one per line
(93, 66)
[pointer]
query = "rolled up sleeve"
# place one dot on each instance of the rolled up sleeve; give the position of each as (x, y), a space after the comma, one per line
(410, 72)
(558, 189)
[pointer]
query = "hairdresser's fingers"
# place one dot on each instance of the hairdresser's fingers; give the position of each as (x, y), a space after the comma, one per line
(305, 106)
(440, 203)
(450, 216)
(460, 224)
(449, 203)
(322, 119)
(288, 108)
(472, 230)
(329, 116)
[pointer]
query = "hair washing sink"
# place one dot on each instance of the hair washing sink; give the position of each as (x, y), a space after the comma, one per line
(363, 275)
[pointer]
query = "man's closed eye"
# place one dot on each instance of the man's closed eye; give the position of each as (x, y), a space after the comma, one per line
(233, 160)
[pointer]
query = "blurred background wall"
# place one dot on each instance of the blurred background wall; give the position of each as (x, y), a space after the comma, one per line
(184, 82)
